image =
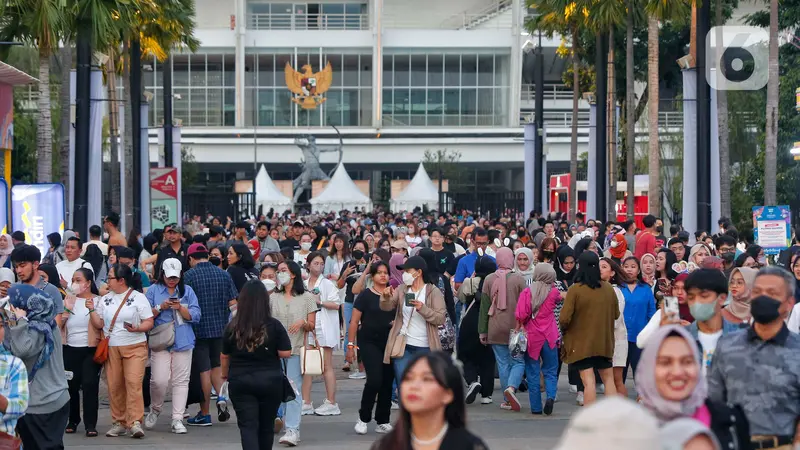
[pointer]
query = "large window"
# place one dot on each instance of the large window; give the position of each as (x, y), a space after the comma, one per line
(445, 89)
(203, 88)
(307, 16)
(268, 100)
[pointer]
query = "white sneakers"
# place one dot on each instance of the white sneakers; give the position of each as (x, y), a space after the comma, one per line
(290, 438)
(116, 430)
(395, 405)
(486, 401)
(327, 409)
(579, 399)
(178, 427)
(357, 375)
(136, 430)
(361, 427)
(308, 409)
(383, 428)
(472, 392)
(151, 419)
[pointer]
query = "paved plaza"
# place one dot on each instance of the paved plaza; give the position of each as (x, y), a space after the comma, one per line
(504, 430)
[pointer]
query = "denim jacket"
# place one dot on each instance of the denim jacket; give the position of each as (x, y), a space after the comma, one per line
(184, 334)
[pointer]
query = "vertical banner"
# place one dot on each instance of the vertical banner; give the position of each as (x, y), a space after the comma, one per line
(144, 170)
(4, 206)
(177, 161)
(38, 210)
(772, 228)
(73, 81)
(6, 116)
(163, 196)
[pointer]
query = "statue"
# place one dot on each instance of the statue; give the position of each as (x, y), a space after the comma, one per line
(310, 162)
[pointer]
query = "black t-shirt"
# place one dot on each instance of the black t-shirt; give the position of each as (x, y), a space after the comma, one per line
(240, 275)
(444, 257)
(290, 242)
(167, 252)
(265, 357)
(375, 322)
(351, 279)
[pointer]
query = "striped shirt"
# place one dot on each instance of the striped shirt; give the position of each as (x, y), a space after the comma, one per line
(14, 377)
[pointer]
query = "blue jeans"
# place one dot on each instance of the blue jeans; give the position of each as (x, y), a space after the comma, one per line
(401, 363)
(549, 367)
(347, 315)
(510, 369)
(292, 410)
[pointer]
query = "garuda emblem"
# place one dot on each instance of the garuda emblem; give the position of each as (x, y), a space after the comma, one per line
(307, 86)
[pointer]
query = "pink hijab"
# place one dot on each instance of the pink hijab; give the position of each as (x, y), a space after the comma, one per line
(395, 274)
(505, 264)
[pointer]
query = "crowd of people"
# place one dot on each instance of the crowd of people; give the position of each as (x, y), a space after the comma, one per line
(429, 309)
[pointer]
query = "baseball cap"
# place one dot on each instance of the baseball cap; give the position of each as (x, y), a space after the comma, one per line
(196, 248)
(298, 222)
(400, 243)
(611, 424)
(415, 262)
(176, 228)
(171, 268)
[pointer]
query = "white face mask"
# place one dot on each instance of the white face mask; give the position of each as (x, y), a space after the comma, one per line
(78, 289)
(514, 236)
(253, 252)
(408, 279)
(269, 284)
(306, 246)
(284, 278)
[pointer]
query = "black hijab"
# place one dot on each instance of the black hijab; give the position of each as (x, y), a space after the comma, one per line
(561, 254)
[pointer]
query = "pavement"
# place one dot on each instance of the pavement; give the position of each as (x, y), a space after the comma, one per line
(500, 429)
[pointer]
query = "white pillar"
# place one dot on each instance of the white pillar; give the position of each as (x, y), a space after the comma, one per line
(716, 200)
(177, 163)
(545, 179)
(591, 174)
(690, 150)
(376, 23)
(530, 165)
(240, 27)
(515, 69)
(71, 193)
(97, 106)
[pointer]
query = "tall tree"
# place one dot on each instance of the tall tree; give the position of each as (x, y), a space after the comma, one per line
(773, 84)
(65, 61)
(630, 106)
(722, 123)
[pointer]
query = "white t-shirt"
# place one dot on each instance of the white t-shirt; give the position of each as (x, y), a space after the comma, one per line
(300, 259)
(327, 321)
(100, 244)
(416, 329)
(78, 324)
(136, 309)
(708, 342)
(66, 269)
(794, 320)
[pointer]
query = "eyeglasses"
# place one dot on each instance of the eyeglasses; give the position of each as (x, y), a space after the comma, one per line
(112, 278)
(270, 264)
(481, 244)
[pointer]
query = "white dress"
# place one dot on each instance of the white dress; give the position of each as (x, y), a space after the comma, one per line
(327, 323)
(620, 357)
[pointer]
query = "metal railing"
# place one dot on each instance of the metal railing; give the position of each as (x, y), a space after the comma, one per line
(563, 119)
(471, 18)
(551, 92)
(289, 21)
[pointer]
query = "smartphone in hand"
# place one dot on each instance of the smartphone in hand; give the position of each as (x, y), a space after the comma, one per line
(671, 308)
(410, 297)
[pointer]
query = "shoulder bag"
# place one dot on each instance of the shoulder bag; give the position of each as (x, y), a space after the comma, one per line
(289, 392)
(311, 358)
(162, 337)
(101, 352)
(399, 345)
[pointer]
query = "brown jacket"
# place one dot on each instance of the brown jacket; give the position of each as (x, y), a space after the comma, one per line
(434, 312)
(498, 326)
(587, 321)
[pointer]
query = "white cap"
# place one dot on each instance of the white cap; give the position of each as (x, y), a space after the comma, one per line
(172, 268)
(611, 424)
(6, 274)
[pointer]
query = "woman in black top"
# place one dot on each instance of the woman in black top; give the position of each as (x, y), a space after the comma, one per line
(252, 347)
(372, 336)
(432, 413)
(241, 265)
(351, 271)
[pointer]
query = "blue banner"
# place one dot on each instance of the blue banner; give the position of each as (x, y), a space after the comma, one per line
(772, 228)
(38, 210)
(3, 206)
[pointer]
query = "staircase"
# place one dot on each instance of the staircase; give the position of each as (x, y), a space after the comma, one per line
(474, 18)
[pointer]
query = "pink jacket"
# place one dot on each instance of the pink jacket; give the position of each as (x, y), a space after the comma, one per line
(544, 327)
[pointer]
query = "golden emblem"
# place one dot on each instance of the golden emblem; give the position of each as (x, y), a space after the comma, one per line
(307, 86)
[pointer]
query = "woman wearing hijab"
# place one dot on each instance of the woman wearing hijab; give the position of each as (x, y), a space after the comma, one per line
(698, 253)
(320, 243)
(671, 354)
(587, 321)
(499, 297)
(523, 264)
(535, 313)
(681, 434)
(37, 341)
(648, 266)
(740, 285)
(395, 274)
(478, 359)
(618, 248)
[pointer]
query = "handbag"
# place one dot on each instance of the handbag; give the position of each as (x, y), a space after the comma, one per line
(289, 392)
(101, 352)
(162, 337)
(9, 442)
(447, 334)
(311, 359)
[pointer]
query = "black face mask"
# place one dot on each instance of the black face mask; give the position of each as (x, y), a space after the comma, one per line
(660, 230)
(728, 256)
(214, 260)
(358, 254)
(548, 255)
(765, 309)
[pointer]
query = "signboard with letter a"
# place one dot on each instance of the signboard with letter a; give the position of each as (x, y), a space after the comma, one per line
(163, 196)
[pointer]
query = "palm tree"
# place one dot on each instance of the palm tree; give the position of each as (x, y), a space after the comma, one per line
(657, 10)
(771, 147)
(722, 126)
(630, 104)
(39, 23)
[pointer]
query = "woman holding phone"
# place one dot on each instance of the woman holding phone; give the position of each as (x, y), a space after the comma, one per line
(176, 304)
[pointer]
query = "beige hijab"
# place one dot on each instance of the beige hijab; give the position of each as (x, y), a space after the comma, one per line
(740, 308)
(543, 278)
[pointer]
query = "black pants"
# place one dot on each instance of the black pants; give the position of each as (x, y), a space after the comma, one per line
(43, 431)
(379, 382)
(146, 387)
(86, 378)
(256, 397)
(480, 363)
(574, 376)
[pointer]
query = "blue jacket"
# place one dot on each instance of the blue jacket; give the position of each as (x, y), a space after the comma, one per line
(727, 327)
(466, 267)
(640, 305)
(184, 334)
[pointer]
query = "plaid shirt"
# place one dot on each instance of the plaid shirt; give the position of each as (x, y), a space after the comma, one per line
(14, 378)
(214, 289)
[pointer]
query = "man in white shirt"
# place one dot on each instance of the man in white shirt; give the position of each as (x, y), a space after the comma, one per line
(95, 237)
(66, 268)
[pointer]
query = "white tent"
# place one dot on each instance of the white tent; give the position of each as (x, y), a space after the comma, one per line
(340, 193)
(420, 191)
(268, 195)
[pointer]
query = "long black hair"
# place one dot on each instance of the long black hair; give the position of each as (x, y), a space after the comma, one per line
(252, 313)
(181, 286)
(589, 270)
(484, 266)
(94, 256)
(432, 274)
(125, 273)
(447, 376)
(639, 278)
(246, 260)
(89, 276)
(671, 259)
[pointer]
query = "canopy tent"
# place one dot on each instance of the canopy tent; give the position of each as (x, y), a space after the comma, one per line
(340, 193)
(268, 195)
(420, 191)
